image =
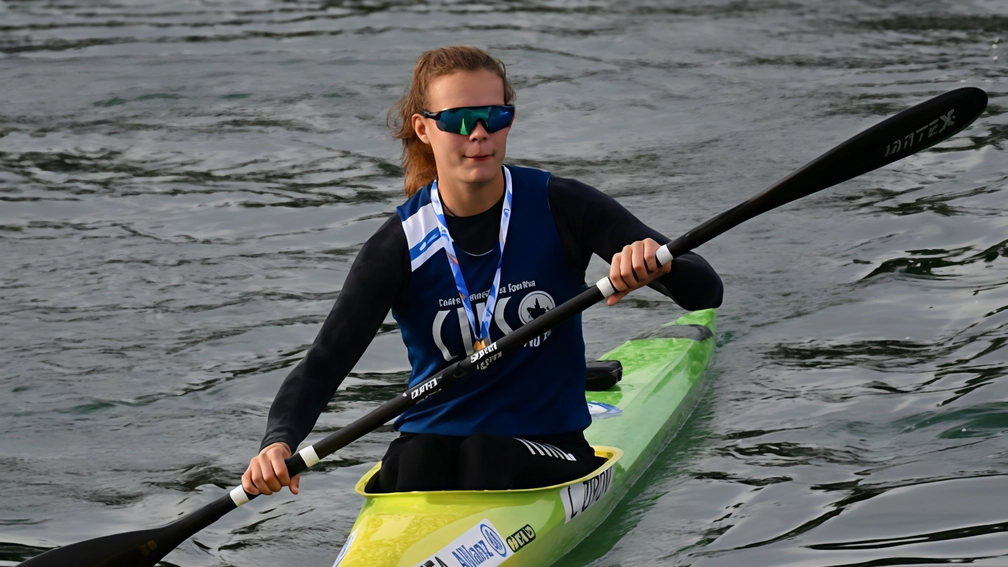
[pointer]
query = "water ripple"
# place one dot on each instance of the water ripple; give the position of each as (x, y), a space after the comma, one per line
(185, 186)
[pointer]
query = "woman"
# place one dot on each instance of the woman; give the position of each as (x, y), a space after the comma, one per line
(477, 250)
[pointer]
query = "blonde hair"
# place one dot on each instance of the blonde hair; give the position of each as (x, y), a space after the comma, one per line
(418, 157)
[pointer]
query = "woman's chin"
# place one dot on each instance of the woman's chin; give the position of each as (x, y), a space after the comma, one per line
(483, 171)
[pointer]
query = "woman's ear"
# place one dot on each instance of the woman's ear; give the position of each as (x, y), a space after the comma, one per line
(420, 127)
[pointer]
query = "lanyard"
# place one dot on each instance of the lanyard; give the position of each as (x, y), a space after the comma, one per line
(483, 333)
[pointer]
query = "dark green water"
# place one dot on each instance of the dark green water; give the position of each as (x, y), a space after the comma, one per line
(183, 186)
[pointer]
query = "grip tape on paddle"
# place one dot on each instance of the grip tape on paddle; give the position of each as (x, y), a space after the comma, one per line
(606, 287)
(309, 456)
(239, 496)
(664, 256)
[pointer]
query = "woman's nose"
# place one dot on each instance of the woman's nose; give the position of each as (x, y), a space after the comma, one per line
(478, 132)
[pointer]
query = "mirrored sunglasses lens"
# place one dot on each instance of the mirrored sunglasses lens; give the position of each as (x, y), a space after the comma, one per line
(450, 121)
(499, 118)
(463, 120)
(467, 119)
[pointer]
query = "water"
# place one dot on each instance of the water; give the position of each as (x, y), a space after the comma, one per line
(185, 184)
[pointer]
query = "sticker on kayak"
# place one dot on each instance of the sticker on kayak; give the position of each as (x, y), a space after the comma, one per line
(521, 538)
(577, 498)
(598, 410)
(480, 546)
(345, 548)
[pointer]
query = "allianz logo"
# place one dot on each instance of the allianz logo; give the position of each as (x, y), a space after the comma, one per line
(480, 546)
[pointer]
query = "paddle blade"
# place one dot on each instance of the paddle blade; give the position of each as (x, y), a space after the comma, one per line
(133, 549)
(915, 129)
(143, 548)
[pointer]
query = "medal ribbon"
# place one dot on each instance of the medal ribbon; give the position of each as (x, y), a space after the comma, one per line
(483, 333)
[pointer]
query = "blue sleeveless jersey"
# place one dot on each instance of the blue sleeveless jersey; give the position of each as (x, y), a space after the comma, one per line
(539, 389)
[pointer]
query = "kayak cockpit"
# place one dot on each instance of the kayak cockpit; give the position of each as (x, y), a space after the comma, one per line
(478, 527)
(367, 485)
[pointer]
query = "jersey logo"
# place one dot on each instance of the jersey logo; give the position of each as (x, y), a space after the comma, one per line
(535, 304)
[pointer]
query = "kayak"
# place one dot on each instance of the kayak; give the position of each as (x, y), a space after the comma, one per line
(631, 422)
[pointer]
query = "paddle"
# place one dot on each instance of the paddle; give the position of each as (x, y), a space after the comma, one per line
(902, 135)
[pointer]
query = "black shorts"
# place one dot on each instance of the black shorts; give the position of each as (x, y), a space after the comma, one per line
(484, 462)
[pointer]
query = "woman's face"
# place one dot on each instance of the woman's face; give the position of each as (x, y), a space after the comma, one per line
(475, 158)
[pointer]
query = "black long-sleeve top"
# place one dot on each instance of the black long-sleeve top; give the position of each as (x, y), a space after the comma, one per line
(588, 222)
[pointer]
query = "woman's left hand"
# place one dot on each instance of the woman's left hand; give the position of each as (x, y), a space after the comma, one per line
(635, 267)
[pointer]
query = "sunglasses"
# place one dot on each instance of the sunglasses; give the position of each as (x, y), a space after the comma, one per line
(462, 120)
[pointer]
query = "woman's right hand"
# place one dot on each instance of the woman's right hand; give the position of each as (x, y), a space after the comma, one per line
(267, 472)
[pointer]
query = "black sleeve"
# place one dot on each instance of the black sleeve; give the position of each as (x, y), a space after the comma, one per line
(589, 221)
(378, 274)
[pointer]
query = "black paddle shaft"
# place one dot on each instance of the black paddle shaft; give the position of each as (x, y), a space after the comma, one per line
(902, 135)
(915, 129)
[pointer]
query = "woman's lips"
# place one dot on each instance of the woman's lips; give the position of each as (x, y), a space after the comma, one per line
(479, 158)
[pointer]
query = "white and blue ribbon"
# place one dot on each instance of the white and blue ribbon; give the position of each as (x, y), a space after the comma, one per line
(483, 333)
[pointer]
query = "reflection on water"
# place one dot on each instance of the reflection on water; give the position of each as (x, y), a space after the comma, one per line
(184, 186)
